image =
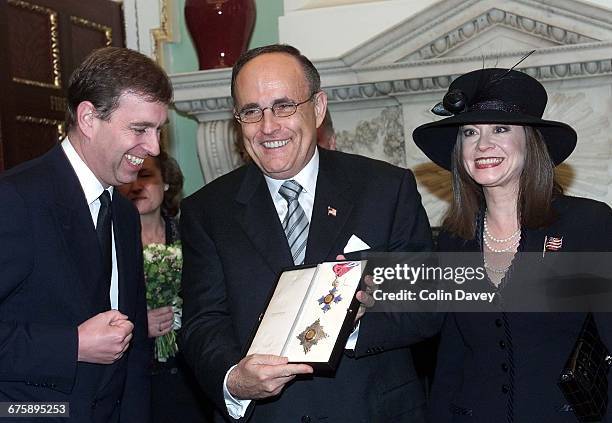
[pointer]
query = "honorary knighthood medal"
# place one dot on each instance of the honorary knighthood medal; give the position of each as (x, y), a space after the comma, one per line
(327, 300)
(311, 335)
(333, 296)
(294, 323)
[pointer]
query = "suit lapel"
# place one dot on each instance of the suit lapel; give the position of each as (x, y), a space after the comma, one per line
(533, 239)
(331, 210)
(259, 220)
(76, 225)
(74, 218)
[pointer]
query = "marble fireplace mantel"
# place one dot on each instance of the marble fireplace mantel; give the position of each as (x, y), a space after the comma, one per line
(379, 92)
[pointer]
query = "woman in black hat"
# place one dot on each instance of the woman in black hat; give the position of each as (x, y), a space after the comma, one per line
(503, 366)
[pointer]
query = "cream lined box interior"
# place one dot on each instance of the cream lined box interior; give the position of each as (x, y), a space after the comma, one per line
(304, 317)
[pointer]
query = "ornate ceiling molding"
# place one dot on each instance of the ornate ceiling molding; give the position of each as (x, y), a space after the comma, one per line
(222, 106)
(484, 22)
(454, 22)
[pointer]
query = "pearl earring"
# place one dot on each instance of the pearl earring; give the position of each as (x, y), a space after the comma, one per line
(166, 186)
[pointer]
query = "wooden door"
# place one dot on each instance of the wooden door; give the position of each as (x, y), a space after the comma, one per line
(41, 43)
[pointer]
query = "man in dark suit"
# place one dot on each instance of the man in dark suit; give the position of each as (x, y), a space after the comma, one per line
(237, 236)
(72, 304)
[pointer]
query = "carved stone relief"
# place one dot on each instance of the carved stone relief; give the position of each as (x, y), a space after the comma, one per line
(588, 171)
(218, 149)
(460, 27)
(548, 35)
(381, 137)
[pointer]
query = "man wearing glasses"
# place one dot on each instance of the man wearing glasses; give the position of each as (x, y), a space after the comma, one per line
(293, 204)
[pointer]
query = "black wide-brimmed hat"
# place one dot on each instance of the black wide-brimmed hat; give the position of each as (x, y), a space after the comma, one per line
(492, 95)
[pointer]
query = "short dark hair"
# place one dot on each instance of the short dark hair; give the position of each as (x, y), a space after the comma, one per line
(109, 72)
(537, 188)
(311, 73)
(171, 174)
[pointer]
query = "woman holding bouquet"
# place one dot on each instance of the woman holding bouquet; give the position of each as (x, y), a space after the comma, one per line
(156, 193)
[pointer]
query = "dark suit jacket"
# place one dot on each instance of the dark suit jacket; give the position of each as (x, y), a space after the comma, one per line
(234, 248)
(502, 366)
(50, 261)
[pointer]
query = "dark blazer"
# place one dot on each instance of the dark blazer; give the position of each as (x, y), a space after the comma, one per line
(503, 366)
(234, 248)
(50, 261)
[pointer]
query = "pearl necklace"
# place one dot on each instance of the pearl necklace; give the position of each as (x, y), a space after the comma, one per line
(496, 240)
(501, 250)
(488, 237)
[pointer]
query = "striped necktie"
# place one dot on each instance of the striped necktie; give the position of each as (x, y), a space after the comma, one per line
(295, 223)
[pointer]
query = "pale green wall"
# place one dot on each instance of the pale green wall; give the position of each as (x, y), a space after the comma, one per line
(181, 57)
(266, 24)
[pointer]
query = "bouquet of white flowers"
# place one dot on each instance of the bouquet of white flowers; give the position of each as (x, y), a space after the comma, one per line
(162, 269)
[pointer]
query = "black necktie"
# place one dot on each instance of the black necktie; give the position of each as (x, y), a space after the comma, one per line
(103, 229)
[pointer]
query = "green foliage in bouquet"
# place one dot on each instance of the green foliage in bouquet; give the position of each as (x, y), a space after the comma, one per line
(162, 269)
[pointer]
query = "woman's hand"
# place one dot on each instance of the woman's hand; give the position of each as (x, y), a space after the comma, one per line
(160, 321)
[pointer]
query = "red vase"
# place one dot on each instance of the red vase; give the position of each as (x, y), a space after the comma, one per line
(220, 29)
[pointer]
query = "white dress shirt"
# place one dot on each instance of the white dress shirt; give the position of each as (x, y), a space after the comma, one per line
(93, 189)
(307, 178)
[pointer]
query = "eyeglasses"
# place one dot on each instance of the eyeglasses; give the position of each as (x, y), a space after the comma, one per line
(281, 109)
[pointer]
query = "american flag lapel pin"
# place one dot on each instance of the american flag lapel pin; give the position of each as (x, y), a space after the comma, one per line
(331, 211)
(552, 243)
